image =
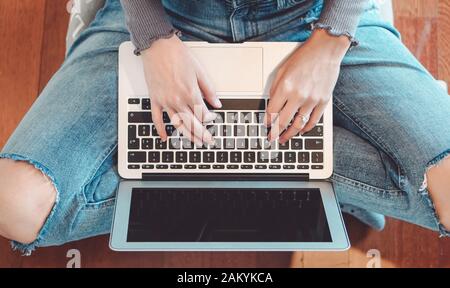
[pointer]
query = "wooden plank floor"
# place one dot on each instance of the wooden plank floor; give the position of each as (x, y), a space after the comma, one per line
(32, 33)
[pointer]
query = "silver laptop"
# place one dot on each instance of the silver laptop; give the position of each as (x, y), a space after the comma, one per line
(241, 193)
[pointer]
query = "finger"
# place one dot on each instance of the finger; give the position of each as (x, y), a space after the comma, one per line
(276, 102)
(314, 119)
(157, 118)
(285, 117)
(207, 88)
(297, 123)
(178, 124)
(200, 110)
(195, 127)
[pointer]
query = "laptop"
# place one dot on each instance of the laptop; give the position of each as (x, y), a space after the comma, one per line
(241, 193)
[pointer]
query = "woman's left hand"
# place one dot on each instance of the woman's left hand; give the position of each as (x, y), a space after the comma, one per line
(304, 84)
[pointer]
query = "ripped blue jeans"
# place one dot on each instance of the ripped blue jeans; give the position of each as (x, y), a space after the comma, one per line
(391, 117)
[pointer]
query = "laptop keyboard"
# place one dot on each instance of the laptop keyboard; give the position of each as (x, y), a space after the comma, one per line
(240, 142)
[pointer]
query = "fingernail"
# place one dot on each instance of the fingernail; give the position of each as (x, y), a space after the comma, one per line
(217, 103)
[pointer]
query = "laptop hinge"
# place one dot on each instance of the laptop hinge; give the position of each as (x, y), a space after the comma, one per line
(225, 177)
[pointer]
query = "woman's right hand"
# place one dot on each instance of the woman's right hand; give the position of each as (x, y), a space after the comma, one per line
(176, 83)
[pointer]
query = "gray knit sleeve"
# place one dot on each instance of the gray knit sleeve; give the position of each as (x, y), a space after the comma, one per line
(341, 17)
(147, 21)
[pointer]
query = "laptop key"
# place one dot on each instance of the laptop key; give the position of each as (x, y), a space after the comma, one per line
(147, 143)
(134, 166)
(187, 144)
(259, 117)
(317, 167)
(208, 157)
(176, 166)
(181, 157)
(303, 157)
(317, 157)
(148, 166)
(217, 144)
(239, 130)
(220, 118)
(232, 166)
(137, 157)
(153, 157)
(222, 157)
(296, 144)
(133, 144)
(204, 166)
(252, 130)
(218, 166)
(132, 132)
(268, 145)
(315, 132)
(263, 157)
(247, 167)
(274, 166)
(174, 143)
(235, 157)
(289, 157)
(170, 130)
(213, 129)
(232, 117)
(190, 166)
(284, 146)
(314, 144)
(303, 167)
(249, 157)
(159, 144)
(288, 167)
(228, 143)
(162, 166)
(195, 157)
(255, 144)
(227, 130)
(167, 157)
(276, 157)
(246, 117)
(263, 131)
(134, 101)
(146, 105)
(166, 118)
(144, 130)
(154, 131)
(242, 143)
(260, 166)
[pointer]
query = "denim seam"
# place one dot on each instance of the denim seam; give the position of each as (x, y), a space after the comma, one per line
(370, 188)
(376, 139)
(27, 249)
(94, 171)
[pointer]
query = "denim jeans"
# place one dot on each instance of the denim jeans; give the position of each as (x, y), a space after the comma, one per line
(391, 118)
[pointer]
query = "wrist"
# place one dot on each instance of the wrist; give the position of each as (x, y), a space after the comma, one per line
(332, 47)
(161, 43)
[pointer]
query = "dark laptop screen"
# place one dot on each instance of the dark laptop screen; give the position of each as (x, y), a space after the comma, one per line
(227, 215)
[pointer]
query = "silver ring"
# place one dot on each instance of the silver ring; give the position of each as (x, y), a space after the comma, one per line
(305, 119)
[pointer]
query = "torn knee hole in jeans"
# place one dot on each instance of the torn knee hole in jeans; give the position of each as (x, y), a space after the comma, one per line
(27, 249)
(425, 192)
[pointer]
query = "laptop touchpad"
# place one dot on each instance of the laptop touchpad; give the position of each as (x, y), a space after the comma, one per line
(233, 69)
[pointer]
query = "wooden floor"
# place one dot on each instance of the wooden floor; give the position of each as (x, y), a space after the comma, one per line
(32, 33)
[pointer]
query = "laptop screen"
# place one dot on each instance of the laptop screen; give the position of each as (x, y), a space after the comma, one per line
(227, 215)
